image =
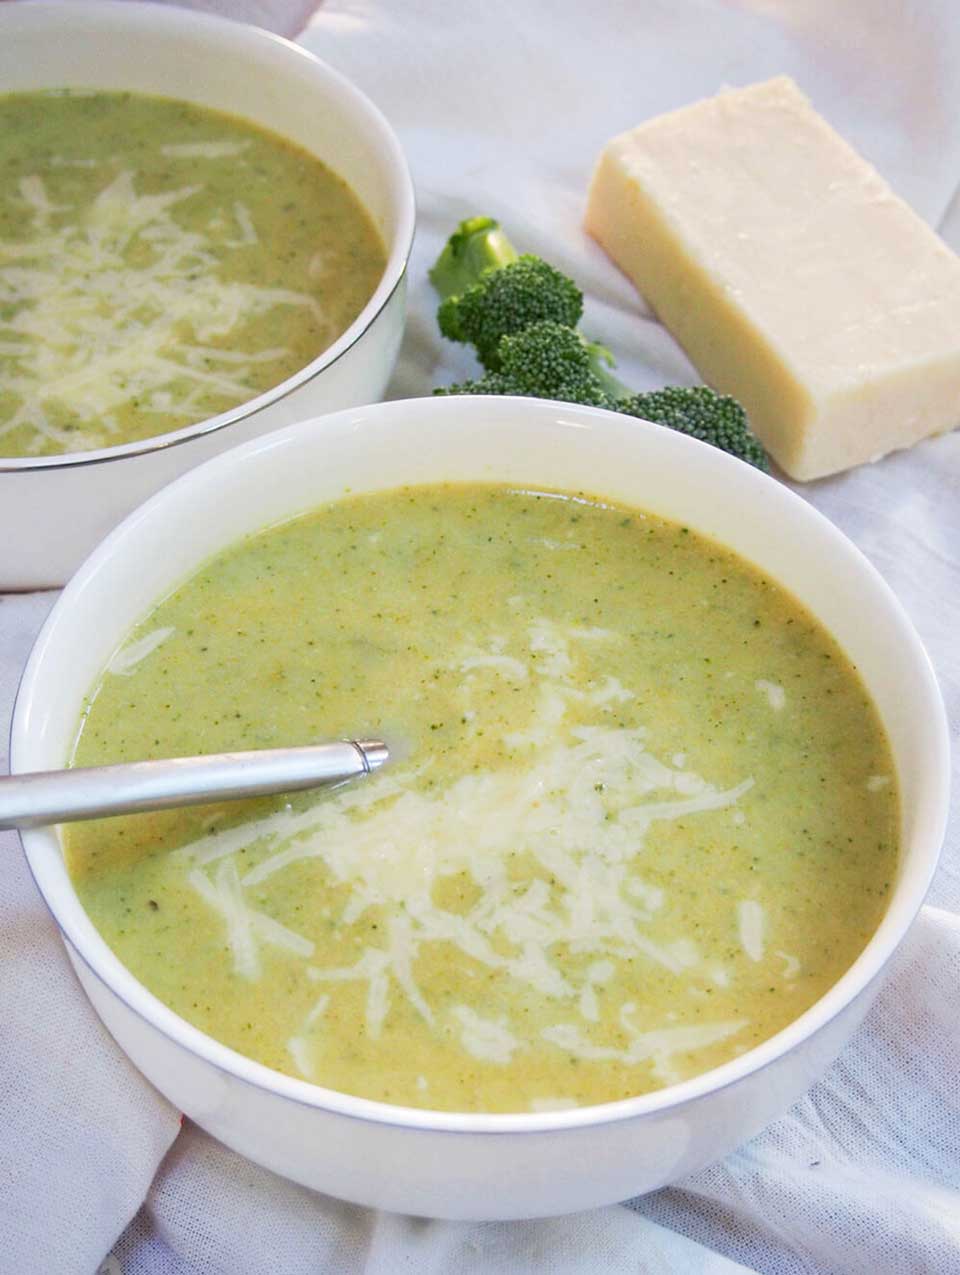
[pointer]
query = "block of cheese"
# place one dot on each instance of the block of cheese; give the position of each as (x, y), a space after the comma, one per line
(789, 271)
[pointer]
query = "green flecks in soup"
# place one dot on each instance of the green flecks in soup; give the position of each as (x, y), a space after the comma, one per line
(160, 263)
(647, 817)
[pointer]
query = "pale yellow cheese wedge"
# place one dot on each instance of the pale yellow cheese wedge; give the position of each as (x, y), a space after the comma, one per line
(789, 271)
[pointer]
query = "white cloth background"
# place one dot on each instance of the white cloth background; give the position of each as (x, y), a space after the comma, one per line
(502, 108)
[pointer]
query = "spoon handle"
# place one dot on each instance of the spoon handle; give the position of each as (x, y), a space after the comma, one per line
(57, 796)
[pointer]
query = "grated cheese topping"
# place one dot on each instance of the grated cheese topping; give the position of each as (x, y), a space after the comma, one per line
(791, 966)
(113, 302)
(658, 1046)
(203, 150)
(751, 921)
(776, 696)
(485, 1039)
(579, 807)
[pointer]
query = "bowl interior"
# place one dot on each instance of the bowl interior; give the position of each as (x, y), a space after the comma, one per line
(532, 445)
(230, 67)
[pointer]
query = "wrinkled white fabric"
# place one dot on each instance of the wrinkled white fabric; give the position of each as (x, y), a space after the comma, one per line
(502, 108)
(81, 1132)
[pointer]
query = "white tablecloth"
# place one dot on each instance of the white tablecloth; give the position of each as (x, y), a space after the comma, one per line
(502, 108)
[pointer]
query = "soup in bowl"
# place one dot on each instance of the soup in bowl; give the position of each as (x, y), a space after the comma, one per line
(199, 241)
(585, 935)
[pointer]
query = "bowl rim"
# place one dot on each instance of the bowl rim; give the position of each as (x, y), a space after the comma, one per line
(41, 846)
(149, 13)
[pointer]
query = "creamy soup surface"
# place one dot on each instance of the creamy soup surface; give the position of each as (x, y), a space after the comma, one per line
(648, 814)
(160, 263)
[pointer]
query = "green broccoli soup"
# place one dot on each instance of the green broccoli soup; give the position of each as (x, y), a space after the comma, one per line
(160, 263)
(647, 814)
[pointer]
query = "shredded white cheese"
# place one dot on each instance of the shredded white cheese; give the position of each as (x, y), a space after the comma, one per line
(659, 1046)
(119, 303)
(318, 1010)
(506, 665)
(248, 231)
(751, 921)
(203, 150)
(485, 1039)
(776, 695)
(245, 926)
(225, 894)
(580, 808)
(299, 1051)
(547, 543)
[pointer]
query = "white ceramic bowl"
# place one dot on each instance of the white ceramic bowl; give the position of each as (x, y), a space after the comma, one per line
(54, 510)
(442, 1164)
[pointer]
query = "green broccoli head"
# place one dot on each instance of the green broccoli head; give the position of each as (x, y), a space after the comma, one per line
(702, 413)
(546, 360)
(506, 300)
(551, 360)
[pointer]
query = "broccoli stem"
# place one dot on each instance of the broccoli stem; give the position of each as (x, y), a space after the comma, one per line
(601, 360)
(477, 245)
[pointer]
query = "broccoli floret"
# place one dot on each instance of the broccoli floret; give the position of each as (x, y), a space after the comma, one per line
(521, 316)
(506, 300)
(551, 360)
(487, 291)
(545, 360)
(702, 413)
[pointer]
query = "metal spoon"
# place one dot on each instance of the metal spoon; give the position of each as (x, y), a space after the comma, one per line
(58, 796)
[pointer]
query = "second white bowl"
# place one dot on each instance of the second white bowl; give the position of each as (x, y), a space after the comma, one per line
(53, 510)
